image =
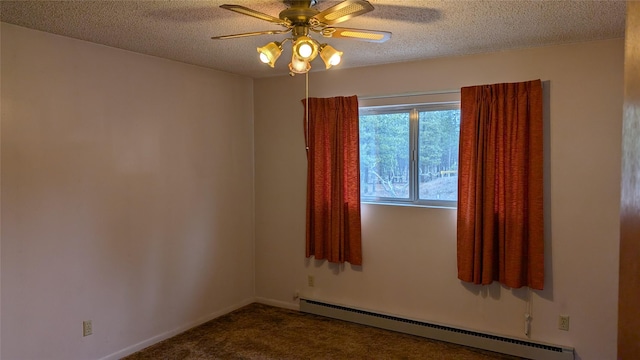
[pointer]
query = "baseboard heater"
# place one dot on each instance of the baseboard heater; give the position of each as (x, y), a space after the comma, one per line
(500, 344)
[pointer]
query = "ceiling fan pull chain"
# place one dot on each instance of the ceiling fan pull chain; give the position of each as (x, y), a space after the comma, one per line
(307, 106)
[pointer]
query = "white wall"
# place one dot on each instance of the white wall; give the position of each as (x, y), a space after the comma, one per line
(127, 196)
(409, 257)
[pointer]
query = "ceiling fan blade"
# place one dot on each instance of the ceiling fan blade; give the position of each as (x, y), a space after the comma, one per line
(343, 11)
(253, 13)
(266, 32)
(357, 34)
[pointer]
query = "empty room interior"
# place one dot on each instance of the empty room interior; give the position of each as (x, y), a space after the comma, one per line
(154, 178)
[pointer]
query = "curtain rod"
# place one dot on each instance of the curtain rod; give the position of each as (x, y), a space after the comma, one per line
(370, 97)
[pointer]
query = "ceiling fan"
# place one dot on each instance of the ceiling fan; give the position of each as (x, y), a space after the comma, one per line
(300, 18)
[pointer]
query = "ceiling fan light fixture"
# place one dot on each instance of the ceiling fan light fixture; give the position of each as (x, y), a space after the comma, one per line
(270, 53)
(305, 48)
(299, 66)
(299, 19)
(330, 56)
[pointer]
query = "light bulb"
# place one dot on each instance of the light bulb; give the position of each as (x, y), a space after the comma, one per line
(335, 59)
(305, 50)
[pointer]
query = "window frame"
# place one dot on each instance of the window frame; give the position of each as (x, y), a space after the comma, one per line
(414, 155)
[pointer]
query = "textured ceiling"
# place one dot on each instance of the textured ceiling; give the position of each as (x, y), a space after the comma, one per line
(181, 30)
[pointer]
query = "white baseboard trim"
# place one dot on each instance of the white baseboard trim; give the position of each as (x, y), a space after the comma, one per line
(278, 303)
(155, 339)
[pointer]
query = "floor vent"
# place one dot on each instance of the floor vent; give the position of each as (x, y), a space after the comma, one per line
(501, 344)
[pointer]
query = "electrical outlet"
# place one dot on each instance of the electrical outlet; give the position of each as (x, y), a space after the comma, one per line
(563, 322)
(87, 329)
(310, 281)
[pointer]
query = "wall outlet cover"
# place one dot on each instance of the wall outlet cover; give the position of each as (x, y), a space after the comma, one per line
(563, 322)
(87, 329)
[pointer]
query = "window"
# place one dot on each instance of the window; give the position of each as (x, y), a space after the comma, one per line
(409, 154)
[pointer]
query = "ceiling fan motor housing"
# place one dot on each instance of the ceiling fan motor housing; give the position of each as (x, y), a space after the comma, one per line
(298, 15)
(300, 3)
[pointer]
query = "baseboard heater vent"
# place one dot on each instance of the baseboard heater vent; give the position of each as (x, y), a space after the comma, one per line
(501, 344)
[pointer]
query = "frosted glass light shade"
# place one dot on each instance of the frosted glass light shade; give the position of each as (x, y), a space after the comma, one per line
(270, 53)
(299, 66)
(330, 56)
(305, 48)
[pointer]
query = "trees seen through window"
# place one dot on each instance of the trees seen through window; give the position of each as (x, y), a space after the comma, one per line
(410, 155)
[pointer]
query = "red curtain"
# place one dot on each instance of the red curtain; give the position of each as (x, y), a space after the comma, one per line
(500, 186)
(333, 180)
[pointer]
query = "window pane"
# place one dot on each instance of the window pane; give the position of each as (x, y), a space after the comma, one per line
(384, 155)
(438, 155)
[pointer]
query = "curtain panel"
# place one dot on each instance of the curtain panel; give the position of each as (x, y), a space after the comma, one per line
(333, 179)
(500, 188)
